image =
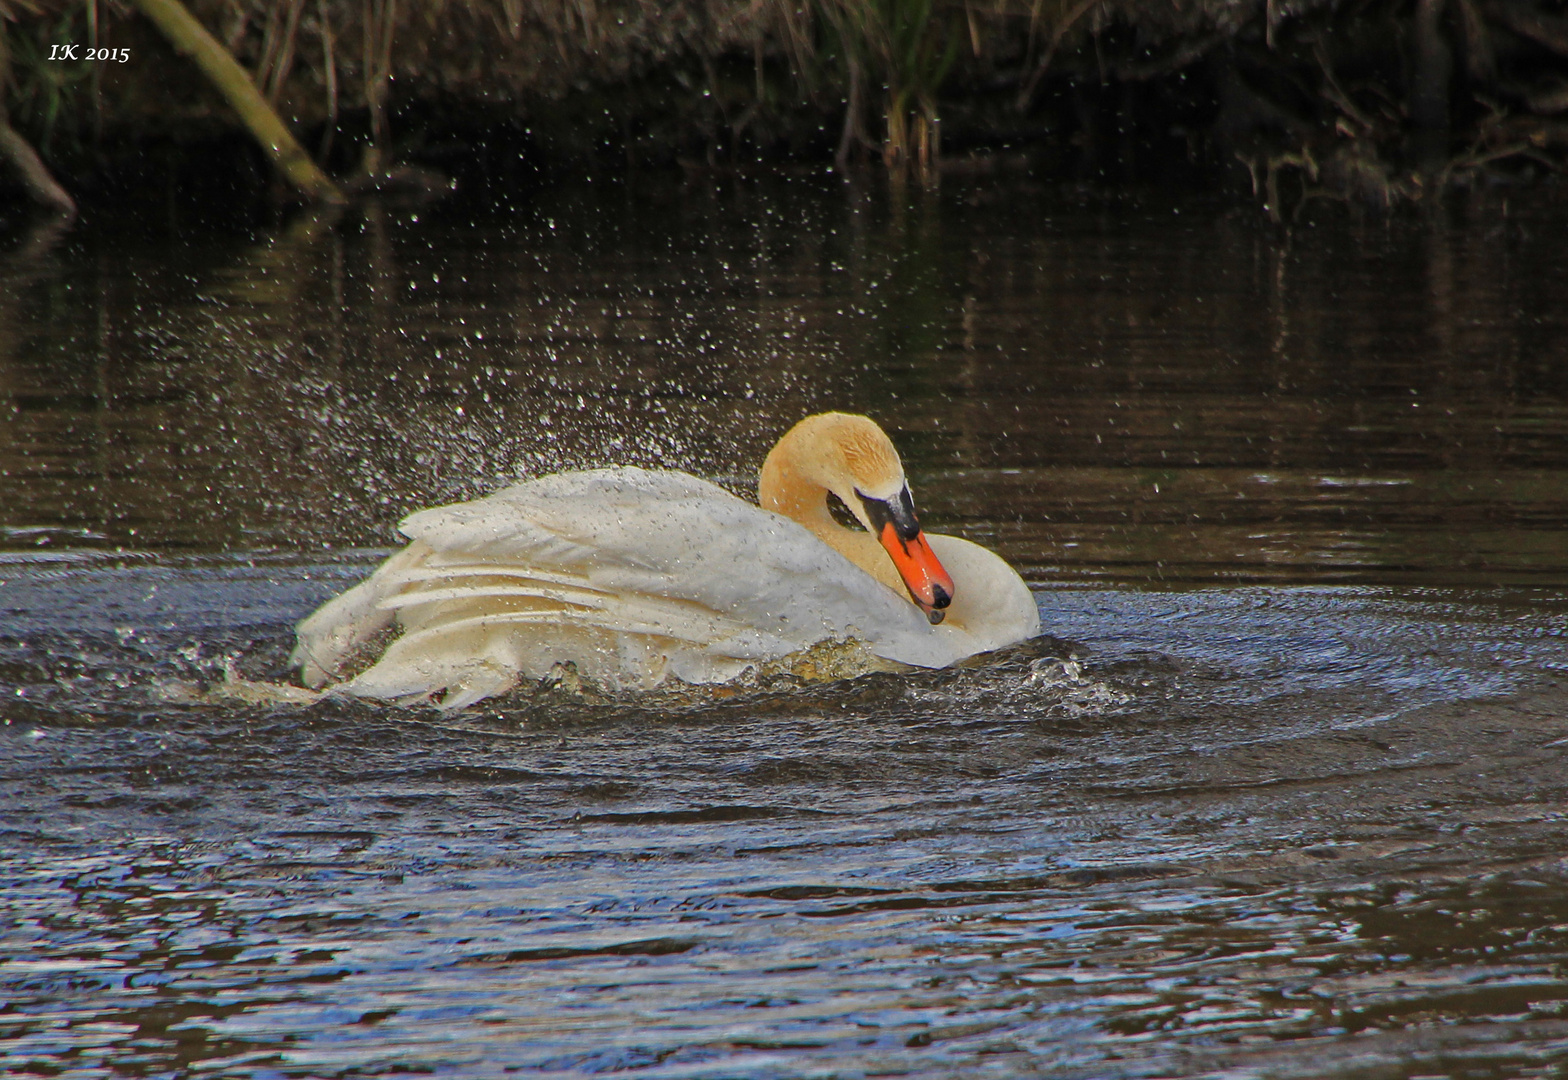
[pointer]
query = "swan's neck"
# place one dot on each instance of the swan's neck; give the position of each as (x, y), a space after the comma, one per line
(789, 485)
(784, 489)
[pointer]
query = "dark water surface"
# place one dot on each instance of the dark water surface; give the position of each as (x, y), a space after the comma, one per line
(1282, 793)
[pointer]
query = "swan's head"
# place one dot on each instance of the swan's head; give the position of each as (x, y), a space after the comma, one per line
(854, 459)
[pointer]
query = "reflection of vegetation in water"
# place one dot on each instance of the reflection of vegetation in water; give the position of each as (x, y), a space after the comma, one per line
(899, 280)
(1150, 404)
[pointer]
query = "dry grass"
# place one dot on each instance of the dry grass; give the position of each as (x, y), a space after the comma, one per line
(1280, 70)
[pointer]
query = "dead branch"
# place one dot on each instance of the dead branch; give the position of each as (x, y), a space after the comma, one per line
(1480, 57)
(1026, 95)
(1334, 94)
(1547, 102)
(34, 174)
(1546, 30)
(1183, 57)
(229, 79)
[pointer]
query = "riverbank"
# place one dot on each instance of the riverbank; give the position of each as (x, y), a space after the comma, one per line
(1380, 104)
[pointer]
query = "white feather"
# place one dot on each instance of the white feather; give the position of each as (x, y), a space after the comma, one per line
(633, 576)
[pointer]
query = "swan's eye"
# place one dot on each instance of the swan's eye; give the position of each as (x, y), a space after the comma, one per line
(899, 511)
(842, 514)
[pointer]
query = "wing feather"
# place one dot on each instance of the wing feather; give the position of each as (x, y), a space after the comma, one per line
(628, 573)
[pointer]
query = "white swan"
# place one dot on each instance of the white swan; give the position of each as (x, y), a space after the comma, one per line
(638, 576)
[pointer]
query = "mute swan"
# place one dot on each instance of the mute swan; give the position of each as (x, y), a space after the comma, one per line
(637, 576)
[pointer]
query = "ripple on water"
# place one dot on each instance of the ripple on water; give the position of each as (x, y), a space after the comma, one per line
(1162, 846)
(1239, 831)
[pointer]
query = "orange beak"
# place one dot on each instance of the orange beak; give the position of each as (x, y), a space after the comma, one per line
(894, 522)
(928, 582)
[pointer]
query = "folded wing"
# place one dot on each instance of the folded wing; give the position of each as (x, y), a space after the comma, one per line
(634, 576)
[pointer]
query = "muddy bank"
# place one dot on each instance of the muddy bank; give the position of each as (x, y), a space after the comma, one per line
(1381, 103)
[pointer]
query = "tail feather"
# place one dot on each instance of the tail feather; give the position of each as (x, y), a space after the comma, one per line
(327, 637)
(466, 666)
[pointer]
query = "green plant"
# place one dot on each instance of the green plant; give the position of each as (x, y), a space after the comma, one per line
(909, 46)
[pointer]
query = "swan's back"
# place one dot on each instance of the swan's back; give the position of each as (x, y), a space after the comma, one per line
(634, 576)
